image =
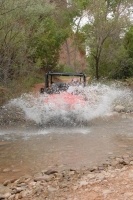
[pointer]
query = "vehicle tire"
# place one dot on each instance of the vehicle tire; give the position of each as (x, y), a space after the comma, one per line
(41, 90)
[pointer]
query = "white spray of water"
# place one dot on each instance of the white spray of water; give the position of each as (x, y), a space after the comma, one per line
(99, 101)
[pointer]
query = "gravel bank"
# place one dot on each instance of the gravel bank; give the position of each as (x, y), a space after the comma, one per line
(112, 180)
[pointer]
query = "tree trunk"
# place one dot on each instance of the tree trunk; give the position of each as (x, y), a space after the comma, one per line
(97, 68)
(68, 53)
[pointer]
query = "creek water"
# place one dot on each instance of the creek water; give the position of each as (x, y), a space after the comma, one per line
(49, 136)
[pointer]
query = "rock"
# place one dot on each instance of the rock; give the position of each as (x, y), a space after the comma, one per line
(130, 175)
(119, 108)
(126, 161)
(11, 197)
(100, 168)
(93, 169)
(6, 182)
(131, 163)
(93, 195)
(122, 161)
(71, 173)
(4, 189)
(106, 192)
(50, 171)
(83, 183)
(22, 185)
(75, 187)
(13, 180)
(98, 184)
(18, 190)
(18, 196)
(25, 193)
(46, 178)
(63, 185)
(6, 170)
(4, 196)
(126, 156)
(38, 190)
(100, 177)
(128, 195)
(16, 170)
(20, 180)
(110, 153)
(51, 189)
(91, 176)
(32, 183)
(114, 163)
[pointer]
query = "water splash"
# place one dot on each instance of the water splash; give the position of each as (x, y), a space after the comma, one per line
(99, 101)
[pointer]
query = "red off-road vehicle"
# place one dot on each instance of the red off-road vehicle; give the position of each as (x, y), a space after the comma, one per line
(60, 90)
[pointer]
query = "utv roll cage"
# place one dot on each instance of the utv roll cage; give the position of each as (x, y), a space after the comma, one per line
(49, 78)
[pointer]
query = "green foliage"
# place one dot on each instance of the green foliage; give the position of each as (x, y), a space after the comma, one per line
(14, 34)
(32, 32)
(45, 46)
(81, 4)
(30, 37)
(128, 42)
(112, 4)
(68, 68)
(32, 79)
(103, 37)
(114, 60)
(124, 68)
(64, 68)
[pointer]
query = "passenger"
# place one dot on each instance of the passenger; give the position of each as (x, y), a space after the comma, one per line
(75, 82)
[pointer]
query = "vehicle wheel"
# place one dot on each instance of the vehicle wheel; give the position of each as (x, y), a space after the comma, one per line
(41, 90)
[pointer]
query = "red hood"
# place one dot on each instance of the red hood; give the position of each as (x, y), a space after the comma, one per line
(65, 98)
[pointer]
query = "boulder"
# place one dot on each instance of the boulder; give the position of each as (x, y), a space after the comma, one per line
(119, 108)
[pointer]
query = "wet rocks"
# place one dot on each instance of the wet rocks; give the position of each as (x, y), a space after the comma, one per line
(52, 184)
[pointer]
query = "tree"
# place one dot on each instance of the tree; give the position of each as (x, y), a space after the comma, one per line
(115, 62)
(45, 45)
(125, 67)
(107, 21)
(128, 42)
(15, 32)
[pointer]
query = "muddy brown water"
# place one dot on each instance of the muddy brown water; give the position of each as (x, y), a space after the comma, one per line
(28, 151)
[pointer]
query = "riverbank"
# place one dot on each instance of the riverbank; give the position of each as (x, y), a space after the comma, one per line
(112, 180)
